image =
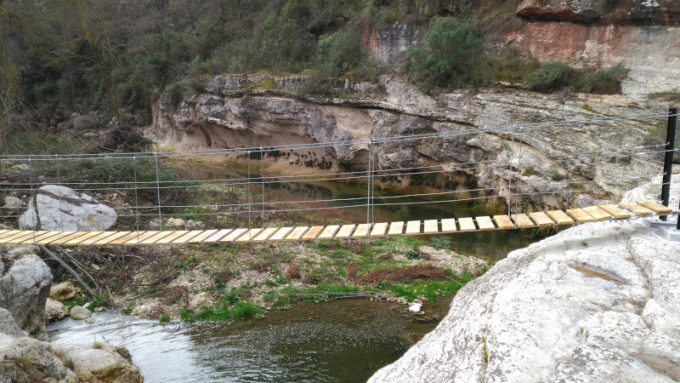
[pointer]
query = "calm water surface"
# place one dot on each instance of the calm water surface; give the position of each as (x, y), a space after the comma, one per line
(340, 341)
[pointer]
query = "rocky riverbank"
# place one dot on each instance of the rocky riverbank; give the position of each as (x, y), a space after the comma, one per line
(597, 302)
(24, 289)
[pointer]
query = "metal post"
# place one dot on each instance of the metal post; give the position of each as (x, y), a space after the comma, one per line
(158, 189)
(262, 180)
(668, 159)
(373, 189)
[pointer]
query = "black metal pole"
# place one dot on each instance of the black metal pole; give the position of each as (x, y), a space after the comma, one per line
(668, 160)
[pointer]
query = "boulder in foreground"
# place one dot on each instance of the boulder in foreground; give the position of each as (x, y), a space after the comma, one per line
(595, 303)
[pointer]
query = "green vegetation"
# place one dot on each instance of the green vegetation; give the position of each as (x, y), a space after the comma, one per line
(221, 311)
(556, 75)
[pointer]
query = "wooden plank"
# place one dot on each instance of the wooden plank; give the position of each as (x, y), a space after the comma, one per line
(541, 219)
(312, 233)
(560, 217)
(168, 239)
(155, 238)
(485, 223)
(18, 234)
(186, 237)
(249, 236)
(89, 241)
(503, 222)
(217, 236)
(345, 231)
(63, 240)
(597, 213)
(47, 240)
(233, 235)
(396, 228)
(431, 227)
(615, 211)
(280, 234)
(200, 238)
(449, 225)
(636, 209)
(580, 215)
(413, 228)
(467, 225)
(265, 234)
(655, 207)
(329, 232)
(361, 231)
(297, 233)
(130, 236)
(379, 230)
(77, 241)
(9, 233)
(522, 221)
(137, 241)
(28, 236)
(49, 234)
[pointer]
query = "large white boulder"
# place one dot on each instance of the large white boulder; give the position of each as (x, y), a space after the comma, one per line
(30, 360)
(100, 362)
(598, 302)
(62, 208)
(25, 287)
(54, 310)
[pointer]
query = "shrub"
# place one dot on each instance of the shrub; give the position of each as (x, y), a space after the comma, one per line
(551, 76)
(339, 53)
(450, 56)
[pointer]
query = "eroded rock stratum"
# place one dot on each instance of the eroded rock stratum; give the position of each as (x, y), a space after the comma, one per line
(595, 303)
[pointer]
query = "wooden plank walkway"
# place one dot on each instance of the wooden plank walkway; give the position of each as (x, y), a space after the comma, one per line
(329, 232)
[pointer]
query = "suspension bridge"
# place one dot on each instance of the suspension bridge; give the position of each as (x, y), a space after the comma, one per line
(250, 228)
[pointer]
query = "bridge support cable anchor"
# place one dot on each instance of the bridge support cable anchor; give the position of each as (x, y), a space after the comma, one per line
(158, 193)
(668, 160)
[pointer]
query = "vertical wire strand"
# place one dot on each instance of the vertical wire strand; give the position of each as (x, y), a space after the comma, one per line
(368, 190)
(512, 154)
(134, 166)
(373, 190)
(34, 200)
(262, 180)
(249, 200)
(61, 213)
(158, 192)
(519, 169)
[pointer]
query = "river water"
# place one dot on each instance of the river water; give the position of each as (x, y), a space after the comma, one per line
(345, 340)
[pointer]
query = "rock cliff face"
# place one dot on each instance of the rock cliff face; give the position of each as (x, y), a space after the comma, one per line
(258, 110)
(642, 35)
(597, 303)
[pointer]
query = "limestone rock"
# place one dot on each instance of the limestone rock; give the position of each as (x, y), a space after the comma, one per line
(100, 362)
(62, 291)
(84, 122)
(30, 360)
(20, 168)
(79, 313)
(583, 11)
(199, 300)
(61, 208)
(8, 326)
(597, 302)
(54, 310)
(12, 202)
(25, 287)
(415, 307)
(176, 223)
